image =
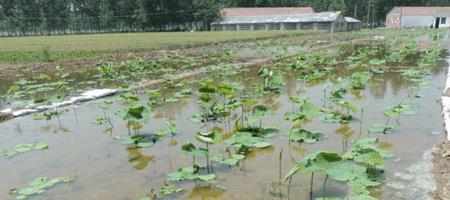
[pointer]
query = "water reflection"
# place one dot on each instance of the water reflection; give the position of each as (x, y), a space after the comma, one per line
(300, 149)
(206, 192)
(55, 129)
(171, 110)
(252, 155)
(346, 133)
(137, 159)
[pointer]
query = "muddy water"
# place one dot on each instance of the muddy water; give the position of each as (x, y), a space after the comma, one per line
(105, 169)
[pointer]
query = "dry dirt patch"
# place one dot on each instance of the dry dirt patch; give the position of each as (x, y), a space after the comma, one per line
(441, 170)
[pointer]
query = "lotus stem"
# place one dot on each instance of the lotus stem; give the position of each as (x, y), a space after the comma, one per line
(280, 162)
(75, 112)
(386, 125)
(289, 187)
(312, 182)
(207, 157)
(361, 121)
(325, 186)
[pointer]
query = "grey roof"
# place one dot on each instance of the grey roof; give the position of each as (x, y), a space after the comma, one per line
(286, 18)
(352, 20)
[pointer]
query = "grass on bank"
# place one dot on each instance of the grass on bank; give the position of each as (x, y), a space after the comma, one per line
(63, 47)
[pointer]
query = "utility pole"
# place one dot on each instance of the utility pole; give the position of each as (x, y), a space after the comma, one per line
(356, 11)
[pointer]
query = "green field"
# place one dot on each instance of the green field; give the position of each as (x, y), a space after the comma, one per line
(52, 48)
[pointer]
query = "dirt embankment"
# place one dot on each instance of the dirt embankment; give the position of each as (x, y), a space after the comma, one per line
(441, 170)
(9, 70)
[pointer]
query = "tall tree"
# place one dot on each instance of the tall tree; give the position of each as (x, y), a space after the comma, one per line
(31, 17)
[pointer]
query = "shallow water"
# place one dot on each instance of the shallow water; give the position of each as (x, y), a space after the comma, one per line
(103, 168)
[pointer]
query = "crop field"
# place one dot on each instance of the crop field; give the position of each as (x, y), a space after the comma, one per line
(306, 116)
(53, 48)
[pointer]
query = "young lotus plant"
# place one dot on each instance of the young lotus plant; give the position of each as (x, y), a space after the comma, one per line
(171, 129)
(360, 79)
(343, 115)
(53, 112)
(254, 122)
(210, 111)
(195, 152)
(357, 177)
(390, 113)
(272, 80)
(154, 98)
(209, 138)
(104, 119)
(135, 117)
(306, 111)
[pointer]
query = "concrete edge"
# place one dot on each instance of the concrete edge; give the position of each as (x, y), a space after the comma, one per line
(445, 101)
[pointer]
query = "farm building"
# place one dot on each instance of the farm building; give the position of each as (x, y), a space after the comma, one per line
(298, 18)
(353, 24)
(418, 17)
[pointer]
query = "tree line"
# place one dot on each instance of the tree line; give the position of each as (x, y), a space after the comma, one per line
(44, 17)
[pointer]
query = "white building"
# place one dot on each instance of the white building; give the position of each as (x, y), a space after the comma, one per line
(418, 17)
(298, 18)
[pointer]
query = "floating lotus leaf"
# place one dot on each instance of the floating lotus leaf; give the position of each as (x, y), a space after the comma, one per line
(207, 177)
(366, 151)
(380, 128)
(189, 173)
(306, 136)
(141, 141)
(247, 139)
(38, 186)
(400, 109)
(170, 189)
(22, 148)
(235, 158)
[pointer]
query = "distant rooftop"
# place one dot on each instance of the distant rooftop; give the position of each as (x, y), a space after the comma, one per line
(419, 10)
(229, 12)
(352, 20)
(281, 18)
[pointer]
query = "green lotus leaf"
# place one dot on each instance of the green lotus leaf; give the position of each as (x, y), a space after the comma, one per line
(303, 135)
(192, 150)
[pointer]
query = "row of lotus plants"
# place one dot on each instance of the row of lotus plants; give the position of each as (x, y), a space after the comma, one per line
(240, 107)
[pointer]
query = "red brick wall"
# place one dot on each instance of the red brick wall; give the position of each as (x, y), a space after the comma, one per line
(393, 21)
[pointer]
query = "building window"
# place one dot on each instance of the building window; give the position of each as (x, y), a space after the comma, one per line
(260, 27)
(323, 25)
(245, 27)
(307, 25)
(290, 26)
(444, 20)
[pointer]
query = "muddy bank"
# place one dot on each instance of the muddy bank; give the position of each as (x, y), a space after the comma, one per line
(441, 156)
(441, 170)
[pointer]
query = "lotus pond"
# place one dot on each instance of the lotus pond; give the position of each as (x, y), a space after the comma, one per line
(348, 122)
